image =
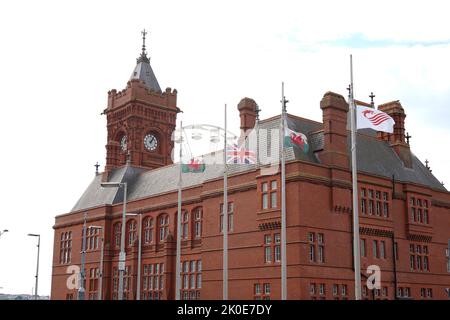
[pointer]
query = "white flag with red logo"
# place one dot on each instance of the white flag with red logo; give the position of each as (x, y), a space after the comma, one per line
(374, 119)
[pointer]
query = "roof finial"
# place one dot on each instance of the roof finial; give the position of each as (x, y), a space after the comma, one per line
(257, 111)
(372, 104)
(143, 56)
(144, 33)
(96, 168)
(408, 137)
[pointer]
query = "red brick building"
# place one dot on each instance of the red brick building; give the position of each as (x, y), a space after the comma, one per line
(404, 210)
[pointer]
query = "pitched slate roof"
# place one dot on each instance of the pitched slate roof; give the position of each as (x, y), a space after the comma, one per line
(374, 157)
(143, 71)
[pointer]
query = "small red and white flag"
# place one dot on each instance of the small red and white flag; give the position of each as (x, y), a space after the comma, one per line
(374, 119)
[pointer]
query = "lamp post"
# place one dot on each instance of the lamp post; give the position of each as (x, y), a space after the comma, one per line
(37, 264)
(122, 254)
(4, 231)
(82, 289)
(138, 284)
(100, 281)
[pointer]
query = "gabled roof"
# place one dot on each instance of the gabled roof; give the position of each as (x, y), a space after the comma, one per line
(374, 157)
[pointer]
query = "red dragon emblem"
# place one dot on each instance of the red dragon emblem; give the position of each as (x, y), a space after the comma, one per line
(375, 118)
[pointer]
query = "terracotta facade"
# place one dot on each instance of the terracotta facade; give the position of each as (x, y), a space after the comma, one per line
(409, 249)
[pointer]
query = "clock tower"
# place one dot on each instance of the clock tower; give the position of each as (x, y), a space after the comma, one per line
(140, 120)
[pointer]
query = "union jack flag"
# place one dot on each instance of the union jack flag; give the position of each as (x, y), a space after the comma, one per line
(240, 155)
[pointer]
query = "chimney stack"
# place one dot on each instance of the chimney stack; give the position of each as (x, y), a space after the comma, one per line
(247, 112)
(397, 138)
(334, 113)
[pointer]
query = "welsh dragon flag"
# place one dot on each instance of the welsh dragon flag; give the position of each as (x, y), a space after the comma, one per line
(194, 166)
(295, 139)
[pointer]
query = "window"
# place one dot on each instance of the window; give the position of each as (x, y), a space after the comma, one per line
(131, 232)
(374, 202)
(335, 289)
(407, 292)
(148, 230)
(277, 247)
(261, 295)
(375, 249)
(269, 195)
(230, 217)
(115, 284)
(412, 262)
(363, 247)
(322, 289)
(419, 210)
(273, 194)
(321, 252)
(117, 234)
(385, 291)
(371, 207)
(364, 291)
(163, 227)
(93, 283)
(382, 250)
(257, 289)
(267, 254)
(92, 237)
(312, 289)
(153, 281)
(418, 258)
(272, 247)
(198, 223)
(127, 284)
(316, 245)
(312, 250)
(344, 290)
(184, 224)
(265, 195)
(65, 250)
(192, 279)
(266, 288)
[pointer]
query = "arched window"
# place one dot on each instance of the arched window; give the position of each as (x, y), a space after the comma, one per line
(148, 230)
(184, 224)
(198, 216)
(163, 226)
(117, 234)
(131, 232)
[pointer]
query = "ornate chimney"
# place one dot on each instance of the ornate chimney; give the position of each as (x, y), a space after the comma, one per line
(334, 108)
(247, 112)
(397, 138)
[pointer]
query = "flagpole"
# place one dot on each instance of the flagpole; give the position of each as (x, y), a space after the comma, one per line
(178, 257)
(283, 200)
(257, 135)
(356, 241)
(225, 213)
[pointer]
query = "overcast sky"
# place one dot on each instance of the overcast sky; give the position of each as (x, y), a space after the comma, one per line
(58, 59)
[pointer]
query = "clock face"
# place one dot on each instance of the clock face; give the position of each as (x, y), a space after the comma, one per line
(150, 142)
(123, 143)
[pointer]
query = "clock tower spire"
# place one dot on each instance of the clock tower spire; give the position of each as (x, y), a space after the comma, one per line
(140, 120)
